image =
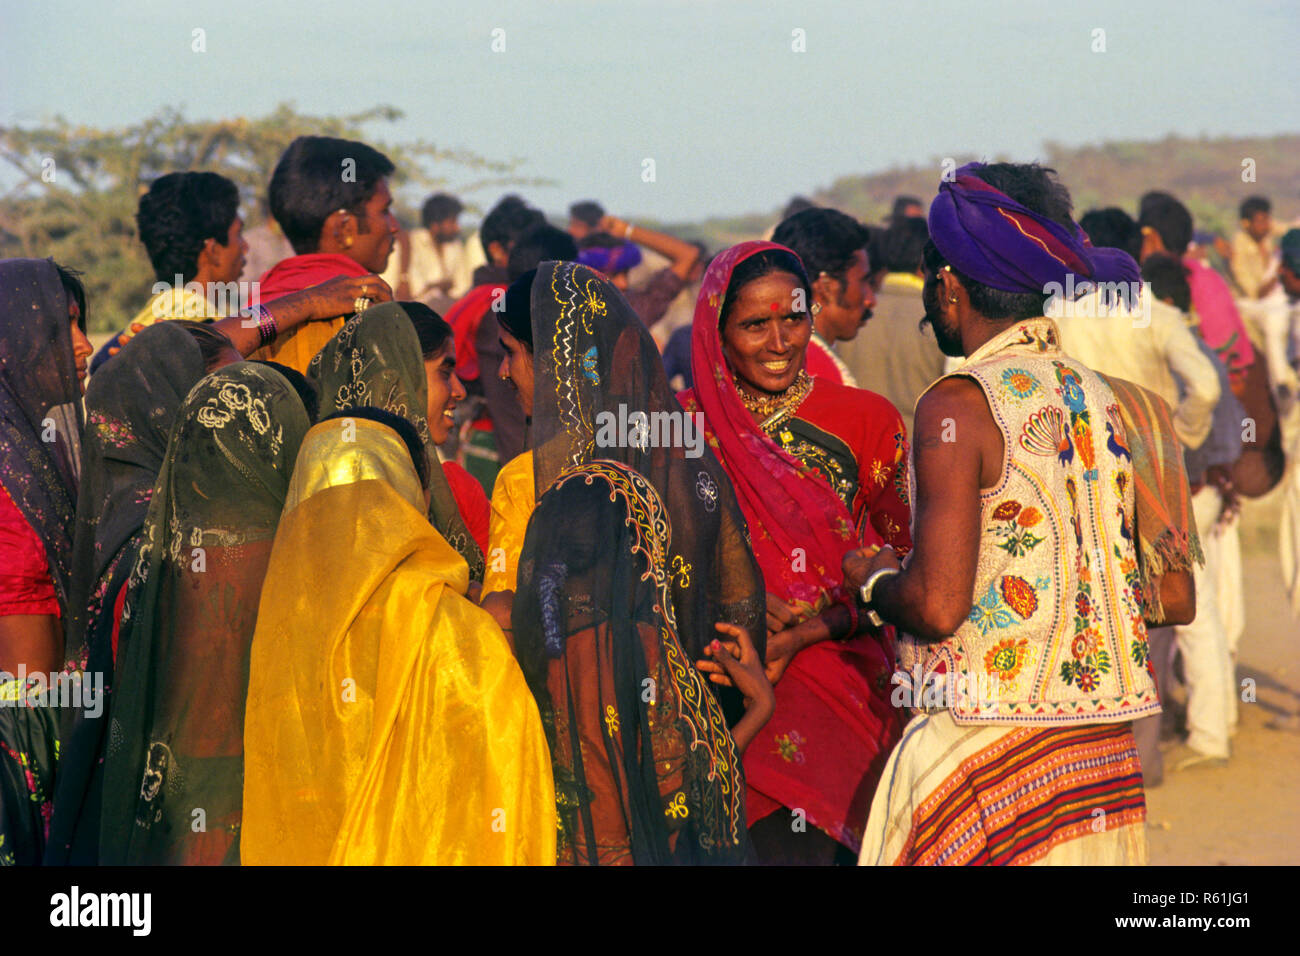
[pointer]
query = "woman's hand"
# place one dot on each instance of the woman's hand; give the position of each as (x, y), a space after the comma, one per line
(500, 604)
(782, 646)
(779, 614)
(860, 563)
(735, 663)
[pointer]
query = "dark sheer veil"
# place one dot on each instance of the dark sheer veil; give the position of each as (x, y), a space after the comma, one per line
(639, 570)
(40, 409)
(593, 361)
(645, 768)
(173, 776)
(131, 405)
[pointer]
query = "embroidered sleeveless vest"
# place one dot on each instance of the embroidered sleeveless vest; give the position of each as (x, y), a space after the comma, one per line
(1055, 632)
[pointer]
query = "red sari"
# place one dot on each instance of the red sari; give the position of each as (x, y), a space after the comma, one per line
(824, 481)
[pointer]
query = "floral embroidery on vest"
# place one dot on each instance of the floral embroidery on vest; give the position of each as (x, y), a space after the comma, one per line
(1055, 632)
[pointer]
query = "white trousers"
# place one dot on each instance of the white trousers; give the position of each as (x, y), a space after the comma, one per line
(1205, 644)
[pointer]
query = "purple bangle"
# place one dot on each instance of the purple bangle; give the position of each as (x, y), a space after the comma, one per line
(267, 330)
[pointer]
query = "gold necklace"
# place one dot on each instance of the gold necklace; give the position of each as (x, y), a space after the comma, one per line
(776, 407)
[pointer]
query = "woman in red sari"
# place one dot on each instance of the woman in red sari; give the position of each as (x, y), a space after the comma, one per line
(819, 469)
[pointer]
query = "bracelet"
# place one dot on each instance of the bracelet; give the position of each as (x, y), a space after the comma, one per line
(855, 620)
(867, 595)
(627, 233)
(267, 329)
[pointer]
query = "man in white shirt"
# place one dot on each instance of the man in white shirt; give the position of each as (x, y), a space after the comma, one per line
(1147, 342)
(431, 263)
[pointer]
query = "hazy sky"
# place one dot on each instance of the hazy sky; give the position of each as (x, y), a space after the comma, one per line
(711, 90)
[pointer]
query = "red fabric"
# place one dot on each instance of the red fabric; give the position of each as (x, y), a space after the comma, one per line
(465, 317)
(819, 364)
(833, 728)
(472, 501)
(26, 586)
(785, 505)
(299, 272)
(1221, 326)
(118, 603)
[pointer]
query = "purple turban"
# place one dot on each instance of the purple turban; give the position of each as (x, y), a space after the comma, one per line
(986, 235)
(609, 261)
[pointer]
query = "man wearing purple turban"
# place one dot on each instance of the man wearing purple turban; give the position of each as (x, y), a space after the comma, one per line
(1023, 652)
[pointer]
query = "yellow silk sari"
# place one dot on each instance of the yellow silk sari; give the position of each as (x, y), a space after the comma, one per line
(513, 499)
(387, 720)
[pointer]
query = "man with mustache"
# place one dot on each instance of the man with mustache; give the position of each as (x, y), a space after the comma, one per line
(833, 249)
(1025, 656)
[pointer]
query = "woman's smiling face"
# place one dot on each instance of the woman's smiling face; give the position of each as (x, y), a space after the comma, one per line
(765, 332)
(445, 391)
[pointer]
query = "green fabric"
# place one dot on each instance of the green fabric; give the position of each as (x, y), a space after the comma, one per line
(481, 459)
(29, 748)
(375, 360)
(173, 775)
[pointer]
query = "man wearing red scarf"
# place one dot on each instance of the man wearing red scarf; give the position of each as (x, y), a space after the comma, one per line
(331, 199)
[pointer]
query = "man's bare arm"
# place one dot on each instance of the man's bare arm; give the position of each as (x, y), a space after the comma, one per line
(958, 450)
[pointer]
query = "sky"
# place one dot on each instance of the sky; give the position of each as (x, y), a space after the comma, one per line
(718, 94)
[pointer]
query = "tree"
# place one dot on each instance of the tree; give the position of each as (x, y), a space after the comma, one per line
(76, 189)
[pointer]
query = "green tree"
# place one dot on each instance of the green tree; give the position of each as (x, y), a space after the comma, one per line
(75, 188)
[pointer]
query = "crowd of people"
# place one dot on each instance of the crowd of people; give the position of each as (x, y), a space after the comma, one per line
(581, 545)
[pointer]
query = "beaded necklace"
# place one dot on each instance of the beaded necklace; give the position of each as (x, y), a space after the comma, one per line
(775, 408)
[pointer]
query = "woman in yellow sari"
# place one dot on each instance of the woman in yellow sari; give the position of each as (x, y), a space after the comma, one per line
(387, 720)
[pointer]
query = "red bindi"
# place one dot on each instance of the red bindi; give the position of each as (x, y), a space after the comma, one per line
(774, 306)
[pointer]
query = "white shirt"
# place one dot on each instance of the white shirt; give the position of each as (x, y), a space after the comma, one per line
(1124, 344)
(430, 264)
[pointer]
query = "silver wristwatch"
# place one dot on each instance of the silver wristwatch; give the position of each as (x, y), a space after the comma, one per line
(866, 590)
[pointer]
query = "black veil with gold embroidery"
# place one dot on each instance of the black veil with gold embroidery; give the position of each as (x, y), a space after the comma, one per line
(594, 367)
(629, 580)
(646, 771)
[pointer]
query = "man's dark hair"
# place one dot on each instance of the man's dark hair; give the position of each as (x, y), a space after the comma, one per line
(74, 290)
(588, 211)
(306, 390)
(314, 179)
(875, 249)
(1169, 218)
(1253, 204)
(1167, 277)
(901, 245)
(506, 222)
(405, 430)
(900, 207)
(796, 205)
(517, 314)
(1289, 248)
(1112, 228)
(757, 266)
(540, 244)
(438, 208)
(825, 240)
(1036, 188)
(430, 328)
(179, 213)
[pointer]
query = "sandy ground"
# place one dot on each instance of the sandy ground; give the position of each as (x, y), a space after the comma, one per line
(1249, 811)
